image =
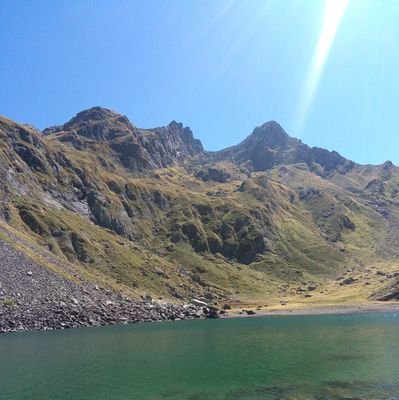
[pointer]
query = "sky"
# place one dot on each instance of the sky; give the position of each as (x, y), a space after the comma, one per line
(326, 70)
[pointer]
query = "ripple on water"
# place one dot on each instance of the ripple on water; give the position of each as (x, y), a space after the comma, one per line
(330, 390)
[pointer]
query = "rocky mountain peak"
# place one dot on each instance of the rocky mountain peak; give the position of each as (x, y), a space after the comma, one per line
(98, 123)
(270, 133)
(175, 125)
(185, 134)
(388, 165)
(93, 114)
(269, 145)
(137, 149)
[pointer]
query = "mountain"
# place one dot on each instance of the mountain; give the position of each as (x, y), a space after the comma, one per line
(149, 212)
(269, 145)
(136, 149)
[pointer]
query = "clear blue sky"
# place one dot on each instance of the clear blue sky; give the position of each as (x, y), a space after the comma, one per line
(220, 67)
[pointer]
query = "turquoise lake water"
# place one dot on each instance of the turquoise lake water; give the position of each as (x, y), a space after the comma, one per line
(279, 357)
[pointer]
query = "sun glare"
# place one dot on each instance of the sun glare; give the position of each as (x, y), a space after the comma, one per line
(334, 10)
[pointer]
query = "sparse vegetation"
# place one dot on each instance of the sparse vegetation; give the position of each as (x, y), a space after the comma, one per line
(8, 302)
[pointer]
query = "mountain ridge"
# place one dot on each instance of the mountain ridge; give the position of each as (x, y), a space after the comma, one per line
(103, 112)
(113, 114)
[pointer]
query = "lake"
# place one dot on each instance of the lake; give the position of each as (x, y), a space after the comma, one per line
(279, 357)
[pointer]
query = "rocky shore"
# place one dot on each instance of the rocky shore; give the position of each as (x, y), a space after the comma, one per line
(33, 297)
(63, 316)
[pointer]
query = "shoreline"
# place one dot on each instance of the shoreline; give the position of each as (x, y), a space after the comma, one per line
(178, 315)
(333, 309)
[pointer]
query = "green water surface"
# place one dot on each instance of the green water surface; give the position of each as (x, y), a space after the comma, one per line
(280, 357)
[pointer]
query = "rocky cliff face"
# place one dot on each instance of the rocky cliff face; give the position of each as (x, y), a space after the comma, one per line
(148, 211)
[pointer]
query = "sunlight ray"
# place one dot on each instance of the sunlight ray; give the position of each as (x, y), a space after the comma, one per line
(334, 10)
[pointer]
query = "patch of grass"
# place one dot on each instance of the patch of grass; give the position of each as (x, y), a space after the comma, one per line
(8, 302)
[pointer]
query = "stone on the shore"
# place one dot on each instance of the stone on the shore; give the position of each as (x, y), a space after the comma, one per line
(199, 303)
